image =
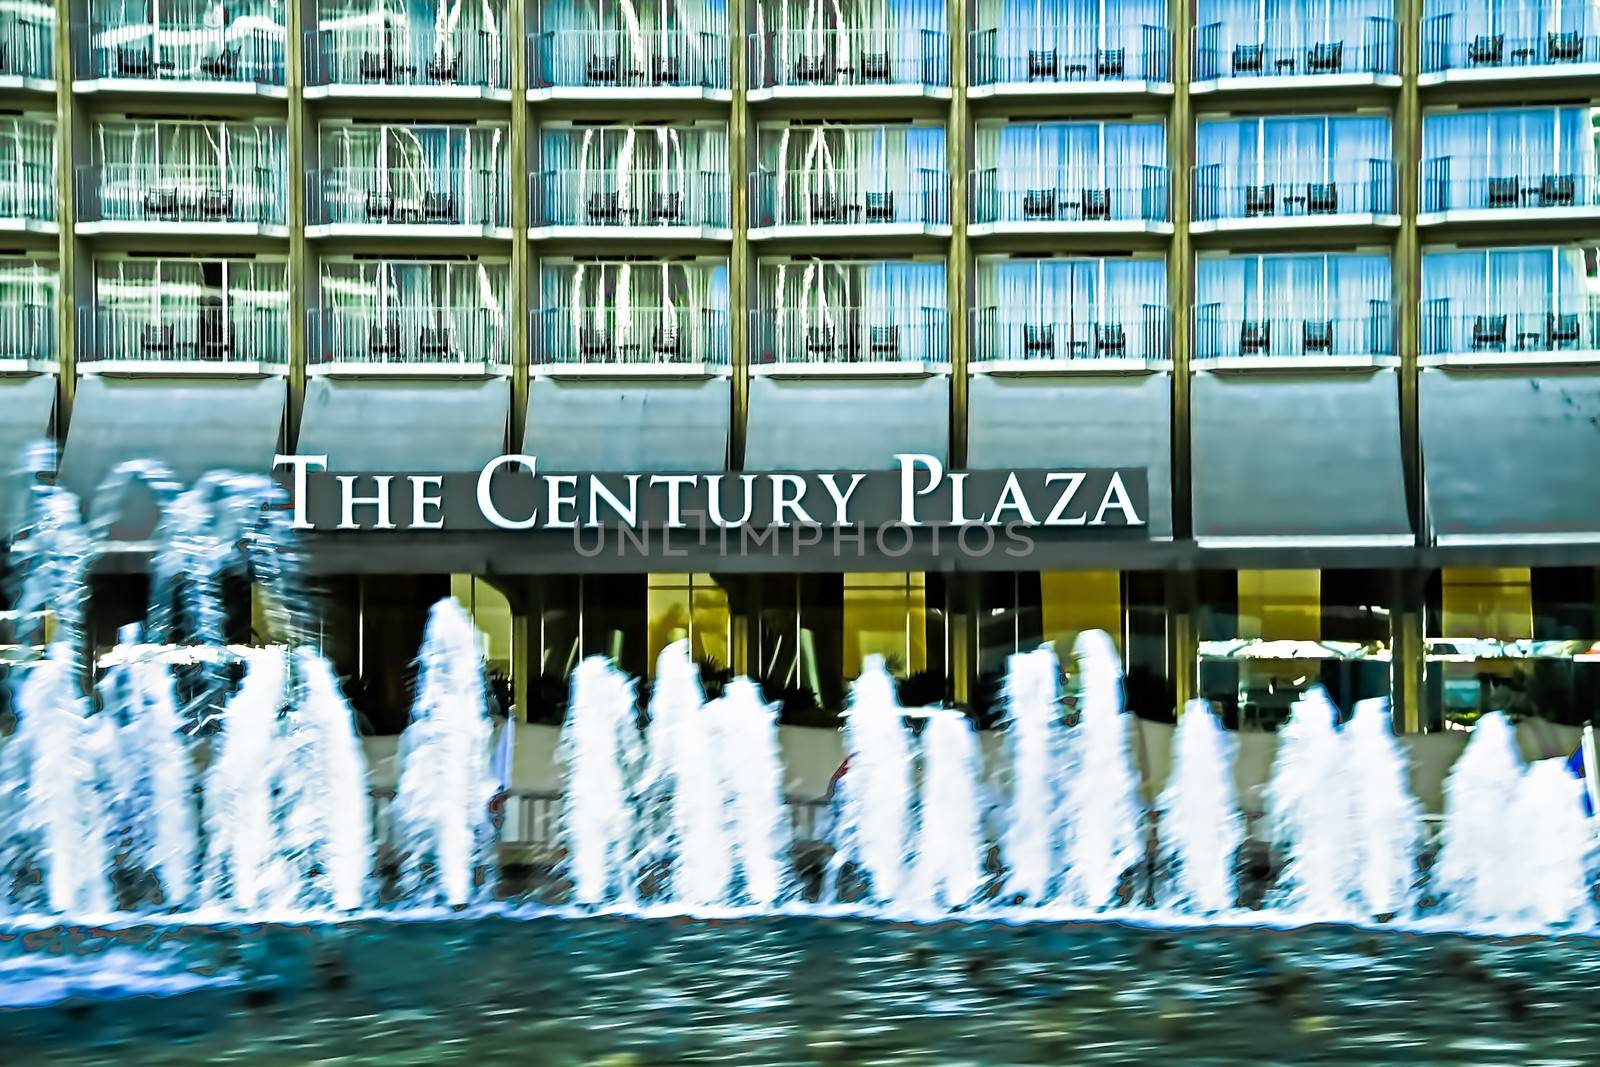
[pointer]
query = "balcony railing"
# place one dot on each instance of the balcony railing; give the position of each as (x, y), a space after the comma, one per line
(1463, 183)
(362, 196)
(1319, 332)
(617, 59)
(635, 337)
(29, 47)
(155, 193)
(416, 58)
(1522, 38)
(1088, 333)
(28, 331)
(1354, 46)
(196, 333)
(649, 197)
(1024, 55)
(165, 52)
(850, 335)
(1125, 194)
(1356, 187)
(849, 198)
(849, 57)
(30, 195)
(1449, 330)
(418, 337)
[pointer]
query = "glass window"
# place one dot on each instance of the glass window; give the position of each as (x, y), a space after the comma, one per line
(693, 608)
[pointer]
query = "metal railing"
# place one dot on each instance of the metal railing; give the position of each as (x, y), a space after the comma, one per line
(1354, 187)
(1137, 331)
(1520, 38)
(30, 195)
(405, 196)
(165, 52)
(189, 332)
(27, 46)
(646, 197)
(1022, 55)
(825, 197)
(612, 59)
(849, 335)
(1327, 331)
(861, 56)
(1357, 46)
(426, 336)
(28, 331)
(1113, 194)
(150, 192)
(1446, 330)
(1479, 183)
(639, 336)
(416, 57)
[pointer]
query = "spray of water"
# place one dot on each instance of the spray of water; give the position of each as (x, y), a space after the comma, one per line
(1031, 842)
(946, 870)
(1308, 813)
(745, 728)
(874, 798)
(1385, 817)
(599, 751)
(1201, 828)
(1555, 849)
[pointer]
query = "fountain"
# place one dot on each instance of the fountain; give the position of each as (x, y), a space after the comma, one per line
(1201, 828)
(1308, 813)
(1385, 817)
(745, 731)
(599, 751)
(946, 867)
(874, 801)
(1031, 843)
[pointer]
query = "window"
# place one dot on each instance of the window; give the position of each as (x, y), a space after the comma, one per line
(693, 608)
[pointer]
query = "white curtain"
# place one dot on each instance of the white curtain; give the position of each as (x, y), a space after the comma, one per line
(1349, 151)
(1351, 291)
(1465, 149)
(1069, 296)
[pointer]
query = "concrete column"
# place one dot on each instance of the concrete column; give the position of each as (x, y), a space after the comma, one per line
(302, 134)
(70, 142)
(740, 266)
(958, 153)
(523, 262)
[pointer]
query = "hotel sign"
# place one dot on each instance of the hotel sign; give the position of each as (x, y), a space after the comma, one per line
(513, 493)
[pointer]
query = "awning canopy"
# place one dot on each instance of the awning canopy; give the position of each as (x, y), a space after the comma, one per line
(190, 426)
(1065, 421)
(26, 406)
(422, 427)
(1511, 455)
(1298, 457)
(668, 426)
(857, 424)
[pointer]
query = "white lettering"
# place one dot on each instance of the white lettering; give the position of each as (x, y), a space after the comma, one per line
(909, 462)
(627, 514)
(1012, 498)
(349, 502)
(300, 464)
(958, 500)
(786, 502)
(422, 500)
(1057, 516)
(1116, 497)
(714, 500)
(674, 484)
(841, 501)
(555, 500)
(486, 503)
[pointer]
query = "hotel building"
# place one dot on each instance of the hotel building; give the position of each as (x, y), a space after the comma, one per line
(1324, 270)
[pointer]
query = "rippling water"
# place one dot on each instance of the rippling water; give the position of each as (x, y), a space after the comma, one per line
(790, 990)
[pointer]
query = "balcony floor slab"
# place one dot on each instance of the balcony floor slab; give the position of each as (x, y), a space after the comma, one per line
(393, 231)
(180, 87)
(910, 368)
(1521, 73)
(143, 228)
(891, 91)
(1296, 83)
(21, 83)
(1290, 364)
(1513, 360)
(630, 233)
(1069, 367)
(42, 226)
(1279, 223)
(1044, 90)
(374, 369)
(1512, 215)
(629, 94)
(183, 368)
(848, 230)
(381, 91)
(630, 371)
(14, 367)
(1065, 228)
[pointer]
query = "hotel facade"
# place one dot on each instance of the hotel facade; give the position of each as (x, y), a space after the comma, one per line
(1322, 271)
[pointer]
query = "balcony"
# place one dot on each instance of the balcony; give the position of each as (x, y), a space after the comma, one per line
(411, 203)
(1342, 193)
(1485, 42)
(28, 338)
(407, 63)
(200, 339)
(1485, 189)
(1106, 200)
(1567, 333)
(849, 342)
(409, 342)
(28, 56)
(1323, 336)
(616, 64)
(648, 203)
(149, 198)
(859, 62)
(27, 197)
(1053, 60)
(629, 342)
(1309, 54)
(245, 57)
(1085, 339)
(845, 203)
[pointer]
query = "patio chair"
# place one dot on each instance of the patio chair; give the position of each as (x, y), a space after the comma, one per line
(666, 209)
(1505, 192)
(1095, 205)
(1558, 190)
(1111, 63)
(433, 345)
(1564, 330)
(594, 345)
(223, 66)
(883, 342)
(1110, 341)
(1487, 50)
(875, 66)
(161, 204)
(880, 207)
(442, 69)
(383, 342)
(1042, 63)
(377, 66)
(1489, 333)
(155, 342)
(380, 206)
(215, 340)
(1038, 340)
(1255, 338)
(1316, 337)
(1564, 47)
(1326, 58)
(666, 70)
(602, 70)
(820, 341)
(1322, 199)
(1039, 205)
(1247, 59)
(826, 207)
(605, 209)
(666, 343)
(134, 62)
(810, 70)
(1260, 200)
(215, 205)
(439, 208)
